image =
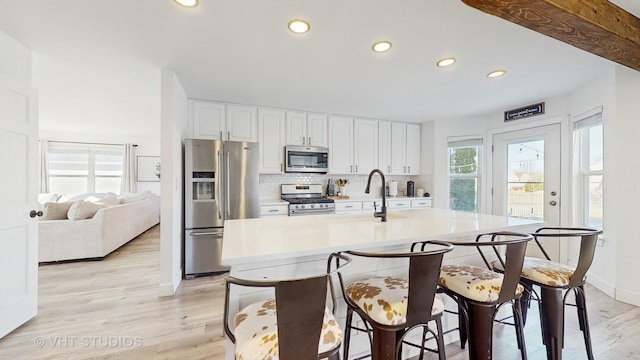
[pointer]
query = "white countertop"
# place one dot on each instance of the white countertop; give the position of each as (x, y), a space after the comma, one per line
(271, 238)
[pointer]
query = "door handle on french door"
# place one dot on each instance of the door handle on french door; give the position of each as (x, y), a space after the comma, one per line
(226, 201)
(553, 203)
(217, 185)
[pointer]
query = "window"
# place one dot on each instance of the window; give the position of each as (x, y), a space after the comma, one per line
(464, 174)
(588, 159)
(76, 168)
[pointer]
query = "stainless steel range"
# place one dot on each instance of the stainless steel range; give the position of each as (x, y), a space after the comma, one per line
(306, 199)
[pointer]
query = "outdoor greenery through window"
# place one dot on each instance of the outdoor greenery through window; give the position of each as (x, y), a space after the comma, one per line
(76, 168)
(588, 139)
(464, 174)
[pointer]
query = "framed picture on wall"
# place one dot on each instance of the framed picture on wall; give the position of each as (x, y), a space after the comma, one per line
(148, 168)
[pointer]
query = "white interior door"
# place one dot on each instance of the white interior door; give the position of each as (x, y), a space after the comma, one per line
(526, 177)
(18, 230)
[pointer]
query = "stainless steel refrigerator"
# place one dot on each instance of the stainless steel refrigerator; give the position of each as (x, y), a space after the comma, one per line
(221, 183)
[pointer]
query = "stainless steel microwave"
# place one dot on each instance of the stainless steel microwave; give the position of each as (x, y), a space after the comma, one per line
(306, 159)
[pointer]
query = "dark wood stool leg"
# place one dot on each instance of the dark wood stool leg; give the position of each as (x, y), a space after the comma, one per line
(462, 327)
(384, 344)
(480, 331)
(519, 325)
(440, 338)
(525, 302)
(552, 317)
(581, 304)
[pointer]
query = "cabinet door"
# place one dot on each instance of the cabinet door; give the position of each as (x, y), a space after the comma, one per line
(340, 145)
(398, 148)
(271, 135)
(365, 145)
(317, 130)
(207, 120)
(242, 123)
(296, 128)
(384, 146)
(413, 149)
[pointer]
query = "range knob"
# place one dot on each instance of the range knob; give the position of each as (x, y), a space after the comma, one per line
(302, 206)
(312, 206)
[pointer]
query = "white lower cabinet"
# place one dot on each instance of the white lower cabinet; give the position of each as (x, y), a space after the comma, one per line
(274, 210)
(420, 203)
(398, 204)
(367, 205)
(348, 206)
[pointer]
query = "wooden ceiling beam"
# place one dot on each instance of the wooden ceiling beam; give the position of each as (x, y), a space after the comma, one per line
(597, 26)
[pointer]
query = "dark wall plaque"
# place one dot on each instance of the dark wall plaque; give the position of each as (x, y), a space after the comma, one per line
(525, 111)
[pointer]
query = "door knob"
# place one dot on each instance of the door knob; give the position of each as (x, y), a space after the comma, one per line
(553, 193)
(553, 203)
(34, 213)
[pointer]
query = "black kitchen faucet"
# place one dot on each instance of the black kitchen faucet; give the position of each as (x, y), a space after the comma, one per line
(383, 211)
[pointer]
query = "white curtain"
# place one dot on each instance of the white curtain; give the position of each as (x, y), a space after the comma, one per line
(44, 166)
(129, 169)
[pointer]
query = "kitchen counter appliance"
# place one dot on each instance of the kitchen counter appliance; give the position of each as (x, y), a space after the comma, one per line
(306, 199)
(306, 159)
(221, 183)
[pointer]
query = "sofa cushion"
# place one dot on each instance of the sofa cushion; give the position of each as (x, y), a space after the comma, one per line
(55, 211)
(130, 197)
(109, 200)
(80, 210)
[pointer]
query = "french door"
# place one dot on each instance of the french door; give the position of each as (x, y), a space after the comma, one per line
(526, 177)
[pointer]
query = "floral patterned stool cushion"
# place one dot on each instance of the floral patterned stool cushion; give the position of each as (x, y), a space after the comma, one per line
(257, 333)
(543, 271)
(384, 299)
(473, 282)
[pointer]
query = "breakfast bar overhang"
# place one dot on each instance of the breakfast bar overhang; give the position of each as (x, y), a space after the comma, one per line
(287, 247)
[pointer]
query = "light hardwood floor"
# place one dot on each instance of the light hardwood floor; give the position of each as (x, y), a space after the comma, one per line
(110, 309)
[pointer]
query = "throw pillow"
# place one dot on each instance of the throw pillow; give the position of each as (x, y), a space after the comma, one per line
(80, 210)
(108, 200)
(55, 211)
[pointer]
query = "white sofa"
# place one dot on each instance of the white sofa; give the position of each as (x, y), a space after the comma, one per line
(96, 237)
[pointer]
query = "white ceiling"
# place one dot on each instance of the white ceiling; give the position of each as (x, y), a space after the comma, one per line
(102, 59)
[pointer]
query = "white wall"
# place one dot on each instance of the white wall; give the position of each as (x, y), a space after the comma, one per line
(174, 129)
(623, 185)
(15, 60)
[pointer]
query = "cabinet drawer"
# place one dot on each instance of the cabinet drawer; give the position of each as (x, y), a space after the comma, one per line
(270, 210)
(420, 203)
(398, 204)
(348, 206)
(368, 205)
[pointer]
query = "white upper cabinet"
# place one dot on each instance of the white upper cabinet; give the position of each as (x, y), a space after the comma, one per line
(384, 146)
(405, 149)
(207, 119)
(271, 136)
(413, 149)
(317, 130)
(306, 129)
(242, 123)
(398, 148)
(365, 146)
(218, 121)
(340, 145)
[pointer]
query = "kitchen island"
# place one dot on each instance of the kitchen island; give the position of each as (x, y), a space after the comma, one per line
(288, 247)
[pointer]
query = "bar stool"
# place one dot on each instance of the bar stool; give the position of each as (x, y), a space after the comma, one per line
(295, 325)
(553, 279)
(391, 307)
(479, 292)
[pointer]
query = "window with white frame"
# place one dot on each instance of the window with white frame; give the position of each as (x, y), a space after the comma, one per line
(588, 160)
(464, 174)
(76, 168)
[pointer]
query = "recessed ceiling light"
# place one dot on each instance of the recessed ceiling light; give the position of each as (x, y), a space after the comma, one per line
(299, 26)
(446, 62)
(381, 46)
(187, 3)
(496, 73)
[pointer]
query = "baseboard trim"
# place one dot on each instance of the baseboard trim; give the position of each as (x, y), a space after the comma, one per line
(629, 297)
(602, 285)
(166, 289)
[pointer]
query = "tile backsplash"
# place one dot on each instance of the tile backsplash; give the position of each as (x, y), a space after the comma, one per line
(270, 184)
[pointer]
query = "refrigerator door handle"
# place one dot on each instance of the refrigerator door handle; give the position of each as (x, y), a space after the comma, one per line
(195, 233)
(226, 200)
(218, 183)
